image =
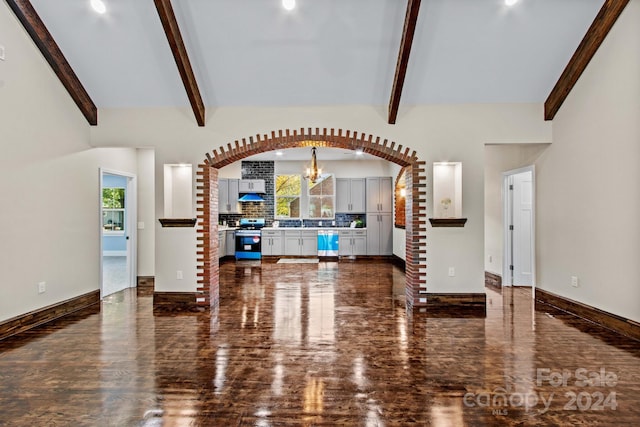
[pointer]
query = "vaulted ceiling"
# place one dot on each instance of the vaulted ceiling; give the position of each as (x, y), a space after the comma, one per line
(216, 53)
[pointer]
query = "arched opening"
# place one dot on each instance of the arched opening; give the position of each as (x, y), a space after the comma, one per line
(208, 290)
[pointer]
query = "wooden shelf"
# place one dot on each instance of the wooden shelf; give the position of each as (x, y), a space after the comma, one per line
(178, 222)
(447, 222)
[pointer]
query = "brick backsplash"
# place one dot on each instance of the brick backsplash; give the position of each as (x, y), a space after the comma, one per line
(341, 220)
(256, 170)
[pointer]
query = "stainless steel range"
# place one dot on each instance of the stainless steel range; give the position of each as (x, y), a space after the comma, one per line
(249, 238)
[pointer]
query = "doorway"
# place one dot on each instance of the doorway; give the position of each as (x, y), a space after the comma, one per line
(519, 227)
(117, 231)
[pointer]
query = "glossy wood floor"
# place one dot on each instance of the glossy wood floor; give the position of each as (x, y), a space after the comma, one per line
(318, 344)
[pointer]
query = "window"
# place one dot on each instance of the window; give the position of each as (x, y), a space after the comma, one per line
(322, 197)
(288, 190)
(113, 200)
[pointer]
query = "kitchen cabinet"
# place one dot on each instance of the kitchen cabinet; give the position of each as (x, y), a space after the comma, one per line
(379, 234)
(379, 194)
(230, 243)
(272, 242)
(350, 195)
(222, 244)
(301, 242)
(228, 194)
(252, 186)
(352, 242)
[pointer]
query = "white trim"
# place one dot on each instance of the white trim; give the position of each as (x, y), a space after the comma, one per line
(506, 250)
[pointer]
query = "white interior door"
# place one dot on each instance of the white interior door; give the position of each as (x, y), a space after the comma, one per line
(522, 229)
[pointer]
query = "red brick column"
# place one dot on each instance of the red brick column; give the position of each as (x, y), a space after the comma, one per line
(208, 290)
(416, 231)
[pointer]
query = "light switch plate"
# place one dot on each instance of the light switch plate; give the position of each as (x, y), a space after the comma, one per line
(1, 52)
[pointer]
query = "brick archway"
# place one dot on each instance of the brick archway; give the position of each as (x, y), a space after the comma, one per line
(208, 291)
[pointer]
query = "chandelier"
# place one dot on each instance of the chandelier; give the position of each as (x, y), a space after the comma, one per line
(313, 172)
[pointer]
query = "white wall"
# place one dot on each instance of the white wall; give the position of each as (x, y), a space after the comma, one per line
(587, 181)
(49, 182)
(339, 168)
(500, 158)
(146, 211)
(437, 133)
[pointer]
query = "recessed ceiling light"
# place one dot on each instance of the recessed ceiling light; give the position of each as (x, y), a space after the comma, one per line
(359, 153)
(279, 153)
(510, 2)
(98, 6)
(289, 4)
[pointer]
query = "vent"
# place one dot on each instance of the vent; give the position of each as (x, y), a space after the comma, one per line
(251, 197)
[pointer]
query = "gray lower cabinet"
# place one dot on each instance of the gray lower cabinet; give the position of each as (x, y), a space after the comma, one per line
(301, 242)
(231, 243)
(222, 244)
(379, 234)
(272, 242)
(352, 242)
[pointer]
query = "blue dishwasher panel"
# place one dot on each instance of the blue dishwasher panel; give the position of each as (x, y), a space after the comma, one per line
(327, 243)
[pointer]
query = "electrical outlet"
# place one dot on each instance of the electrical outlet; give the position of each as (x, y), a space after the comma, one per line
(452, 271)
(179, 275)
(42, 287)
(574, 281)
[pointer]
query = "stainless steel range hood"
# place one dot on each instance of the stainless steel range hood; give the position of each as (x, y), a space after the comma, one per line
(251, 197)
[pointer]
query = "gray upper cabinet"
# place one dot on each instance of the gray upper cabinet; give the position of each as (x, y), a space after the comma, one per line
(252, 186)
(228, 196)
(379, 194)
(350, 195)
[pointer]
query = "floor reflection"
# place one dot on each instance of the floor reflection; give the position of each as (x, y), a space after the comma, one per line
(306, 345)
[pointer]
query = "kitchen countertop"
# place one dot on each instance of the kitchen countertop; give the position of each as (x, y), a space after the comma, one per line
(227, 228)
(313, 228)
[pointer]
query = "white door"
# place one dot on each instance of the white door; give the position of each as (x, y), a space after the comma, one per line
(522, 229)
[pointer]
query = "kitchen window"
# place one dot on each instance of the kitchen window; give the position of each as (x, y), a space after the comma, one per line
(113, 205)
(322, 197)
(288, 191)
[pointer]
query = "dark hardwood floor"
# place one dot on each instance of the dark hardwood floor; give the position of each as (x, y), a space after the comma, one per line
(318, 344)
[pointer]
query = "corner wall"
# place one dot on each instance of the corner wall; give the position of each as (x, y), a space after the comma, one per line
(500, 158)
(588, 202)
(49, 182)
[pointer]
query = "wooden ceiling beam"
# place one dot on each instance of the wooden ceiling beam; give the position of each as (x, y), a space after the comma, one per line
(174, 37)
(597, 32)
(28, 17)
(413, 7)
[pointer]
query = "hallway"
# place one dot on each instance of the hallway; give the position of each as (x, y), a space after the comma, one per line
(318, 344)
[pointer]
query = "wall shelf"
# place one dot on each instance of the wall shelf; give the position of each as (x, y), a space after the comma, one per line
(447, 222)
(178, 222)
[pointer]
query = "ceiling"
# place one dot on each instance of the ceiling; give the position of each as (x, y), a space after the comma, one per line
(324, 52)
